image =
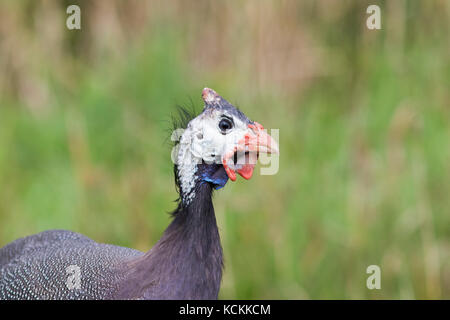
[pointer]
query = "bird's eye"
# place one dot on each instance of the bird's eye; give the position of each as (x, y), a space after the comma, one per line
(225, 125)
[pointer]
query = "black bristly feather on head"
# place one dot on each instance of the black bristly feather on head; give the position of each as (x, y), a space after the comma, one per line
(183, 116)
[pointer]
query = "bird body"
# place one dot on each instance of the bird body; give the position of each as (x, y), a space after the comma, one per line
(36, 267)
(186, 263)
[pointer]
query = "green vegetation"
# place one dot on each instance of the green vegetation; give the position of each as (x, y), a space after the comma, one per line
(364, 119)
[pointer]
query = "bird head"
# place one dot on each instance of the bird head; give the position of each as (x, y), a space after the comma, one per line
(218, 144)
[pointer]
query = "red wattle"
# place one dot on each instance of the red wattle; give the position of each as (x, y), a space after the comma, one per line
(246, 171)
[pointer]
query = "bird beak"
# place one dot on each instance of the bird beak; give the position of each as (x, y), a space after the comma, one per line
(243, 157)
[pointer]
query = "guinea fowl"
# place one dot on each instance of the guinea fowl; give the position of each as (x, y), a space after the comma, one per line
(186, 263)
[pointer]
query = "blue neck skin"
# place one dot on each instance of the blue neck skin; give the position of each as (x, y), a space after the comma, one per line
(214, 174)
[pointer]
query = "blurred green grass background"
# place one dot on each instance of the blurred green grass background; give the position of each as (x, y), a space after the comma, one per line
(364, 119)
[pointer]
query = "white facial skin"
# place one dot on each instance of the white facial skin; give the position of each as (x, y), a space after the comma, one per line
(208, 141)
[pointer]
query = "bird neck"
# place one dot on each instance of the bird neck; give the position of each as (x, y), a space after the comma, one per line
(186, 263)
